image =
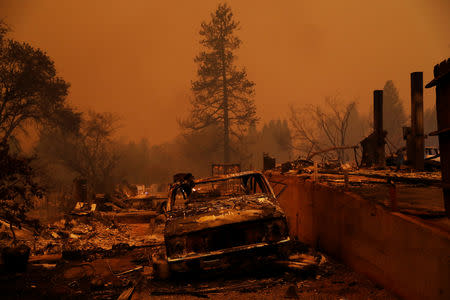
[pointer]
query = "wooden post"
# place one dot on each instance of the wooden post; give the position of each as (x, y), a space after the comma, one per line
(418, 146)
(442, 82)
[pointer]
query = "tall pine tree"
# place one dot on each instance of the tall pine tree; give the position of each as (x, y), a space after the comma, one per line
(223, 96)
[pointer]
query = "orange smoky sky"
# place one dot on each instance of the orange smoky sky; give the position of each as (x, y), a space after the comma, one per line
(135, 58)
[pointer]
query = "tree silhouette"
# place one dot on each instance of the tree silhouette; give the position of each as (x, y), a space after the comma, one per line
(223, 96)
(317, 128)
(90, 151)
(394, 116)
(276, 139)
(30, 90)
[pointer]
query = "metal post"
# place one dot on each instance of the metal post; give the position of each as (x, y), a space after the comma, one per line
(417, 120)
(442, 82)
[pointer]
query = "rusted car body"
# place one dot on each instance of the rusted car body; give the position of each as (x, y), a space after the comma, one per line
(223, 220)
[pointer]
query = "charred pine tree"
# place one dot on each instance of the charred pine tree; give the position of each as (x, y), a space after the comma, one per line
(223, 96)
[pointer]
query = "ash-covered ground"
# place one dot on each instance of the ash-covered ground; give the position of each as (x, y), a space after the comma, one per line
(92, 257)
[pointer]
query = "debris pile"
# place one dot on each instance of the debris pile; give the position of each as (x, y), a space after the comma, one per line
(90, 235)
(125, 197)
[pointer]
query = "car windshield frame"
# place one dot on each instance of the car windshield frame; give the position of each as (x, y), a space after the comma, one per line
(250, 184)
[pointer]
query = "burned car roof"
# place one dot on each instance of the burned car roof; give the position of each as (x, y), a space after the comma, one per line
(221, 212)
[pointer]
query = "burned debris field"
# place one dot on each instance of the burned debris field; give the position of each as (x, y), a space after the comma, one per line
(224, 149)
(98, 258)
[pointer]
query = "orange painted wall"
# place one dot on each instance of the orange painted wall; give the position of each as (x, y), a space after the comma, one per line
(407, 257)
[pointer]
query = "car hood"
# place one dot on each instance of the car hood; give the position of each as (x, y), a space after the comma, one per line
(217, 212)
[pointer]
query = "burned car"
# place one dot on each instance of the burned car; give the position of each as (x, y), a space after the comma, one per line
(223, 220)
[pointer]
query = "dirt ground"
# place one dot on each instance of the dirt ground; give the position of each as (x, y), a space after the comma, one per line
(335, 281)
(129, 269)
(95, 280)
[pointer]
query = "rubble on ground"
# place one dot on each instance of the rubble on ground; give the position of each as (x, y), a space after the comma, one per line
(115, 254)
(104, 224)
(92, 235)
(71, 253)
(402, 189)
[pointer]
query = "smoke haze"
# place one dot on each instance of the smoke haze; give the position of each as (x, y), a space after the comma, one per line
(136, 57)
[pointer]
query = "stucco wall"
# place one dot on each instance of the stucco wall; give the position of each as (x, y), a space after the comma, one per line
(399, 252)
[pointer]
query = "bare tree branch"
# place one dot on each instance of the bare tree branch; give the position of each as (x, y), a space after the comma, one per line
(317, 127)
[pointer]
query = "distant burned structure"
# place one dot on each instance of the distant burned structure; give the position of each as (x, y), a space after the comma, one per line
(442, 82)
(268, 162)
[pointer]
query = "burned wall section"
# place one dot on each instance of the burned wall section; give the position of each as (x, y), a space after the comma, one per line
(390, 248)
(442, 82)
